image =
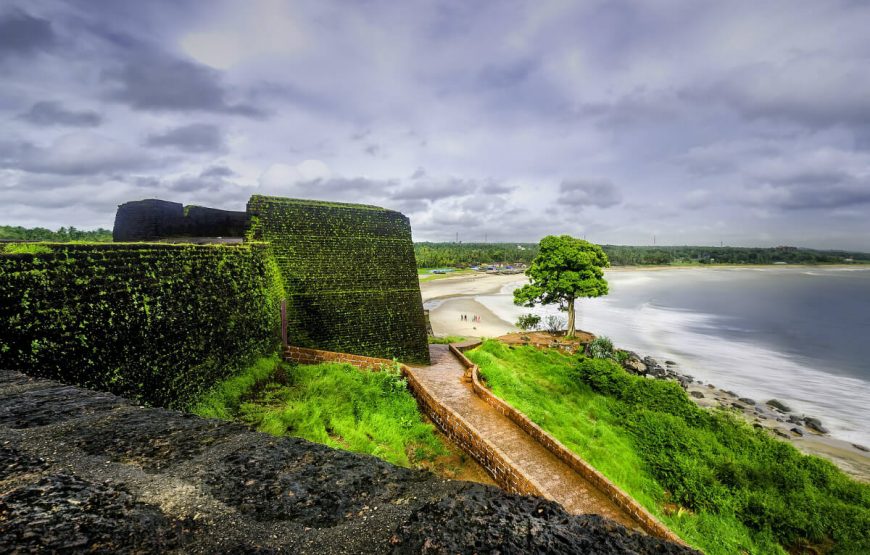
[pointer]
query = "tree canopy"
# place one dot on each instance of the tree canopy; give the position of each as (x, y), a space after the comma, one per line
(564, 269)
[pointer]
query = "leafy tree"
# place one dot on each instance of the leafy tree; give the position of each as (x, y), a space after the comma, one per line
(564, 269)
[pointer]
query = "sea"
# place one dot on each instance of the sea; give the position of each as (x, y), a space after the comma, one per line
(797, 334)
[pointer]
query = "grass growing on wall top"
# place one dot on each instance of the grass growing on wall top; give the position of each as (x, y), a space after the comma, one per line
(333, 404)
(717, 482)
(446, 340)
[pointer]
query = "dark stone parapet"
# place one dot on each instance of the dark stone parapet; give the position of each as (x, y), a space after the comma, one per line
(153, 219)
(83, 471)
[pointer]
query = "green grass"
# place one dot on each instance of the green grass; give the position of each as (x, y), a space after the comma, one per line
(720, 484)
(333, 404)
(446, 340)
(424, 274)
(24, 248)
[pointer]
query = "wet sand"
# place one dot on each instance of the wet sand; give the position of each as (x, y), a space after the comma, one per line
(455, 296)
(445, 319)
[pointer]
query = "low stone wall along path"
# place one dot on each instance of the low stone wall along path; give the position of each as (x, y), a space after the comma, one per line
(445, 380)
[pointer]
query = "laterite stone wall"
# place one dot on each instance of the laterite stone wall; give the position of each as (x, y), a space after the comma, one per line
(157, 323)
(350, 275)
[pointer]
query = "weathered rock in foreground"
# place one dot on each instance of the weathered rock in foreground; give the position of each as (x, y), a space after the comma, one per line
(82, 471)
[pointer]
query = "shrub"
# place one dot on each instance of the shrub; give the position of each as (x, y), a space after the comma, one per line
(600, 347)
(555, 324)
(529, 322)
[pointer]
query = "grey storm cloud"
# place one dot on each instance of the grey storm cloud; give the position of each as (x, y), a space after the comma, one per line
(743, 121)
(810, 190)
(154, 81)
(218, 171)
(196, 137)
(432, 189)
(24, 34)
(54, 113)
(360, 189)
(579, 193)
(79, 153)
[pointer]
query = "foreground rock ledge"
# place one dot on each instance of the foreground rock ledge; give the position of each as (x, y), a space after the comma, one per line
(83, 471)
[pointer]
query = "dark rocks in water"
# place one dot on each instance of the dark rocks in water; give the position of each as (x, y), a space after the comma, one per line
(738, 406)
(475, 522)
(778, 405)
(797, 431)
(650, 361)
(815, 424)
(780, 433)
(670, 363)
(746, 401)
(795, 419)
(731, 393)
(860, 447)
(696, 394)
(757, 425)
(711, 386)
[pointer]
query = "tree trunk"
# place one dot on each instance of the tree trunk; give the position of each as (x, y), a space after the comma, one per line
(570, 332)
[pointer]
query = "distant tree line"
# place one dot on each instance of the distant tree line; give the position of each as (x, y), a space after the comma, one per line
(463, 255)
(62, 235)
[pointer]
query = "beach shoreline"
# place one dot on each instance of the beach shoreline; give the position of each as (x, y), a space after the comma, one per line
(450, 297)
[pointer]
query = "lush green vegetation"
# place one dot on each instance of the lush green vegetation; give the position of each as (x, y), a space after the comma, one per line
(434, 255)
(62, 235)
(333, 404)
(446, 340)
(154, 322)
(720, 484)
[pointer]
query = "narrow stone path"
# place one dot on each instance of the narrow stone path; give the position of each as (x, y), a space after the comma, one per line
(444, 379)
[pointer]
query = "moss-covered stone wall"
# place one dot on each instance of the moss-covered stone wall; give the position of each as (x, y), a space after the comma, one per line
(154, 322)
(350, 276)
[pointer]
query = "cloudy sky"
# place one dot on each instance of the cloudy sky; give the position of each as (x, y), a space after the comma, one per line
(746, 123)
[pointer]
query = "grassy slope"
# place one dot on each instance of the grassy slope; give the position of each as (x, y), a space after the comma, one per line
(332, 404)
(445, 340)
(731, 489)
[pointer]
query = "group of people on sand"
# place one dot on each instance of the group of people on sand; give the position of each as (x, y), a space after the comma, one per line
(474, 318)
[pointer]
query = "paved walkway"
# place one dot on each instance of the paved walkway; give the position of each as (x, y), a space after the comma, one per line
(560, 482)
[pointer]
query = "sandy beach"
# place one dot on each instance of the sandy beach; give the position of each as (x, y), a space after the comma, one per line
(448, 298)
